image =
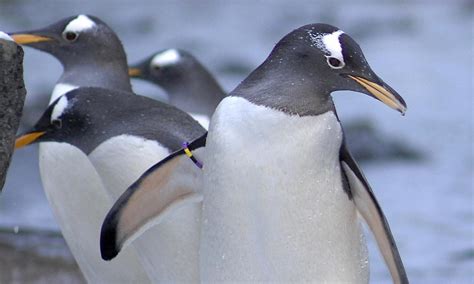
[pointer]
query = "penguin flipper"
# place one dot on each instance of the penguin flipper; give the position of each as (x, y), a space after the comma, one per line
(168, 185)
(369, 208)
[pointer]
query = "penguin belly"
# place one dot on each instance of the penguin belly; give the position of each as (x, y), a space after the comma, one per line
(169, 250)
(274, 204)
(79, 202)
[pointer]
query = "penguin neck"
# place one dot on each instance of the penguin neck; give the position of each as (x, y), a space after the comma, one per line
(285, 85)
(200, 94)
(110, 75)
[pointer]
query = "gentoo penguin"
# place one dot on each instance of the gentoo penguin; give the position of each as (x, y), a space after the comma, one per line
(189, 85)
(92, 55)
(281, 191)
(89, 51)
(122, 134)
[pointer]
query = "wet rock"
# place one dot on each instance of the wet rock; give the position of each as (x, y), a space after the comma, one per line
(36, 257)
(367, 143)
(12, 98)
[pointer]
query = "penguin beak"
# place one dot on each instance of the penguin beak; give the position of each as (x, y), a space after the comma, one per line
(383, 93)
(28, 138)
(134, 72)
(28, 38)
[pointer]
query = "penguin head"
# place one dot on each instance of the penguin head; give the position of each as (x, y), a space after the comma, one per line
(165, 67)
(59, 123)
(79, 118)
(76, 39)
(334, 61)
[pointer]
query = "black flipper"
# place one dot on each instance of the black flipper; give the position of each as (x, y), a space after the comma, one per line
(370, 210)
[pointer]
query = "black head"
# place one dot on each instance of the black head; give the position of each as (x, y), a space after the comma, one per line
(317, 59)
(60, 123)
(76, 39)
(189, 85)
(165, 67)
(88, 116)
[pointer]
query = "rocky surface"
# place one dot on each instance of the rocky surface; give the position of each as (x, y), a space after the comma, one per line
(36, 257)
(12, 98)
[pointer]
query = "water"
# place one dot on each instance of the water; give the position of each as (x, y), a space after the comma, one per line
(423, 50)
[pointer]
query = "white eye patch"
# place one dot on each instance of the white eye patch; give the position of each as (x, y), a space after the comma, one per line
(332, 44)
(5, 36)
(329, 44)
(79, 24)
(59, 108)
(167, 57)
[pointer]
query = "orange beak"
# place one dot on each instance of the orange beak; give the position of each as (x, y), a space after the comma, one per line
(27, 139)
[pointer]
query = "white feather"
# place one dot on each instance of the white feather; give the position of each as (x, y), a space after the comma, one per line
(61, 89)
(79, 24)
(332, 44)
(5, 36)
(167, 57)
(274, 205)
(59, 108)
(79, 202)
(328, 43)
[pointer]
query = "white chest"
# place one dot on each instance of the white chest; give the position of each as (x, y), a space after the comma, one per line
(121, 160)
(79, 202)
(274, 205)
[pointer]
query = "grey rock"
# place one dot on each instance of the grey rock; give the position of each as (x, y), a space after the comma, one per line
(369, 144)
(12, 98)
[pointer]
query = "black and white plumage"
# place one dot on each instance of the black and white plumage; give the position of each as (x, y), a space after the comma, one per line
(91, 55)
(122, 138)
(189, 85)
(87, 48)
(98, 162)
(281, 192)
(89, 116)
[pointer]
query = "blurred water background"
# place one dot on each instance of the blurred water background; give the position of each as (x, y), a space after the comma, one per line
(420, 166)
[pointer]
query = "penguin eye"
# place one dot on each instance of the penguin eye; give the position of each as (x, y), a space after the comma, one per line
(335, 63)
(57, 123)
(155, 67)
(70, 36)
